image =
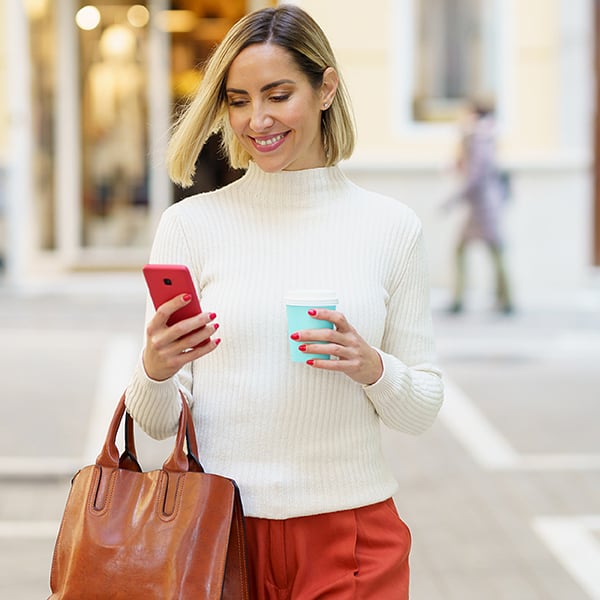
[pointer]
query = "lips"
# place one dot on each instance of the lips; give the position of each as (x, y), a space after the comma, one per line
(268, 143)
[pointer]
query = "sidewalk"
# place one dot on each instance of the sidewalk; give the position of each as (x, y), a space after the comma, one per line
(502, 494)
(506, 489)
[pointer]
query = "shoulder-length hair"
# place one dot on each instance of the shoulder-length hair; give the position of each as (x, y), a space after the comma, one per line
(294, 30)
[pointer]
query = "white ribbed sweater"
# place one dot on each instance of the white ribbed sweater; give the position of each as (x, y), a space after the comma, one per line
(297, 440)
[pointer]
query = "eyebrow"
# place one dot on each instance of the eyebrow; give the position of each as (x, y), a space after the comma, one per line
(264, 88)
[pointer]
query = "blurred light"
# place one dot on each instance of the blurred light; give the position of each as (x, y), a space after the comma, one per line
(138, 15)
(87, 18)
(36, 9)
(177, 21)
(117, 41)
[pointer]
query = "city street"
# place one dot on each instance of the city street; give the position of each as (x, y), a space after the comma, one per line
(502, 495)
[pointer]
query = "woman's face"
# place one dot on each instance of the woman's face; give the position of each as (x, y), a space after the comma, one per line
(274, 111)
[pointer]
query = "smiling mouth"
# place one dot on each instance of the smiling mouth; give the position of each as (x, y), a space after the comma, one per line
(269, 143)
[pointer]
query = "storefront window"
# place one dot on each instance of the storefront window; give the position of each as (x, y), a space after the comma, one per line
(112, 61)
(455, 56)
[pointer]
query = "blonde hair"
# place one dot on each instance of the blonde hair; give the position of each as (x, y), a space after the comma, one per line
(294, 30)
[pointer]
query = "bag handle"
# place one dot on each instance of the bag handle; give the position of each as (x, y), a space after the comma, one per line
(128, 460)
(178, 461)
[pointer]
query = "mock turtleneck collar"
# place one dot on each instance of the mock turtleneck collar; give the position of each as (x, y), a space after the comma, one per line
(293, 187)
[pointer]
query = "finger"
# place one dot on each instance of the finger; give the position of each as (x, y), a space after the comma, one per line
(164, 311)
(333, 316)
(171, 341)
(195, 339)
(187, 326)
(166, 366)
(318, 335)
(340, 352)
(326, 365)
(199, 351)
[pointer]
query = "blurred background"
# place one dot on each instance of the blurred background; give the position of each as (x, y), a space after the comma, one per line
(503, 494)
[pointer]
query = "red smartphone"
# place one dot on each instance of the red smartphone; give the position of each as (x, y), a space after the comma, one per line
(167, 281)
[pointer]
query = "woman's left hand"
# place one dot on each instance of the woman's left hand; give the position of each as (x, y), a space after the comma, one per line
(355, 357)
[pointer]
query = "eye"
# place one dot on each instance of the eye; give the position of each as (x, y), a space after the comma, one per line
(236, 102)
(280, 97)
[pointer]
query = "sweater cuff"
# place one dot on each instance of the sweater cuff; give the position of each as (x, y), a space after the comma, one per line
(406, 398)
(155, 405)
(383, 387)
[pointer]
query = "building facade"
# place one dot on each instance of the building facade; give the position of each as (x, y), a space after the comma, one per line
(89, 93)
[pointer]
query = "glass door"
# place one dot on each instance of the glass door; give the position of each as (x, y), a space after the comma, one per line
(112, 80)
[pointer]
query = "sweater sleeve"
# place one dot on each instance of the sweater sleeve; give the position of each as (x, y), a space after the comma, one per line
(156, 405)
(409, 394)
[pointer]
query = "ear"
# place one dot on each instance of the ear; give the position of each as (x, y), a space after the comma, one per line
(329, 87)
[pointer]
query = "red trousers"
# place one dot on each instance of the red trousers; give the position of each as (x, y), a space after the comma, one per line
(359, 554)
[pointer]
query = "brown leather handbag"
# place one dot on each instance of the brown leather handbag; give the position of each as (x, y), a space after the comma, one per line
(174, 533)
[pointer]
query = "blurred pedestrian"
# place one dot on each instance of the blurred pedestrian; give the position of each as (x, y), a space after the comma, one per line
(485, 190)
(302, 440)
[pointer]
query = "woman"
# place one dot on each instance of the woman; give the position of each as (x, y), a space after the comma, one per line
(301, 440)
(485, 194)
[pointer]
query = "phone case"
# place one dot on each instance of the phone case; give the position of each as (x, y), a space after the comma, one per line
(167, 281)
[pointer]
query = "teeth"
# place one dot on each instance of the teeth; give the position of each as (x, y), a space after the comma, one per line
(270, 141)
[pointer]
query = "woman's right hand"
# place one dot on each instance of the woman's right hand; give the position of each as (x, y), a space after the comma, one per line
(168, 348)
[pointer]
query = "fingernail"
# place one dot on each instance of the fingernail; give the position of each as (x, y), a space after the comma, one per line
(310, 362)
(312, 312)
(302, 347)
(212, 316)
(216, 326)
(295, 336)
(187, 297)
(217, 341)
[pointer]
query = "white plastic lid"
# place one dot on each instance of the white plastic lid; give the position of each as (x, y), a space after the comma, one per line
(311, 298)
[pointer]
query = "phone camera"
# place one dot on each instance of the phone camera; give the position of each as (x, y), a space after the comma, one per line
(168, 281)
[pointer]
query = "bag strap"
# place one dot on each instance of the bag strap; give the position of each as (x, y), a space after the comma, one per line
(178, 461)
(191, 442)
(109, 455)
(128, 460)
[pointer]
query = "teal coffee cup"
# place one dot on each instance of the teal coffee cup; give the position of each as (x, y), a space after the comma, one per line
(298, 303)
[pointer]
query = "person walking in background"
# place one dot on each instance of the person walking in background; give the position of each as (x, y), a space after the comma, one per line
(485, 190)
(301, 439)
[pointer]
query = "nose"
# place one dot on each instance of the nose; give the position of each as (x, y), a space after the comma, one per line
(260, 120)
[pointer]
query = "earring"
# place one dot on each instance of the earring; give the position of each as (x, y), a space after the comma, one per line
(326, 105)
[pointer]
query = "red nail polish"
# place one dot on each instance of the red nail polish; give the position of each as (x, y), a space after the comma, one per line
(295, 336)
(216, 326)
(212, 316)
(302, 347)
(217, 341)
(310, 362)
(312, 312)
(187, 297)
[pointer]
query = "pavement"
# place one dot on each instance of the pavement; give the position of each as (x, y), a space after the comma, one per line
(502, 494)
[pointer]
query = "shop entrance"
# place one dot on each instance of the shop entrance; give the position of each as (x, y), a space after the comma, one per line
(116, 63)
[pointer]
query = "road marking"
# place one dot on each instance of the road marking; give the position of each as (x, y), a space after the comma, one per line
(562, 346)
(474, 431)
(559, 462)
(490, 448)
(11, 530)
(574, 544)
(33, 467)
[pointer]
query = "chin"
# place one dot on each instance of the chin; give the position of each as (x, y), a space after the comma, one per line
(269, 166)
